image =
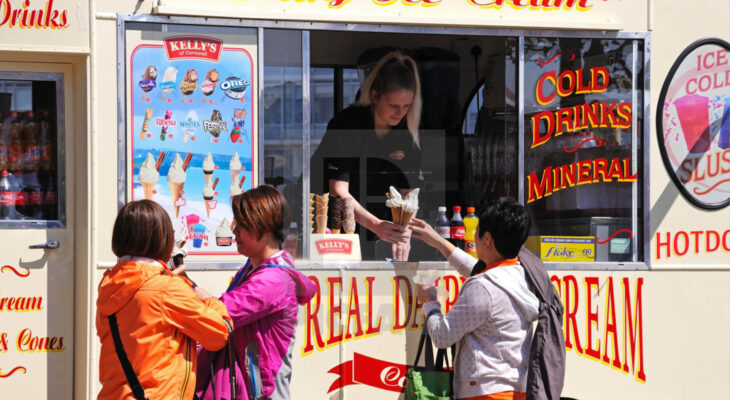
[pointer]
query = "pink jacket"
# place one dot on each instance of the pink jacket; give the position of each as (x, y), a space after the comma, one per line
(263, 303)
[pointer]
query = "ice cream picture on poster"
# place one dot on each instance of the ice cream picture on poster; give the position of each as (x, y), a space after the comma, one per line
(191, 134)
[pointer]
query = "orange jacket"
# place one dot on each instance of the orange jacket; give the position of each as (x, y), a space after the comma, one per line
(160, 318)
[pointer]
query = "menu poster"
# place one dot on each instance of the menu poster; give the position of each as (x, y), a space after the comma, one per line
(191, 133)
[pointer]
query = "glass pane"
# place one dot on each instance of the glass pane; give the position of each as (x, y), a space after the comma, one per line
(282, 107)
(582, 169)
(29, 168)
(323, 102)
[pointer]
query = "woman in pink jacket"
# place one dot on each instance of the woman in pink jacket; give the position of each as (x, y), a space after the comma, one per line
(262, 299)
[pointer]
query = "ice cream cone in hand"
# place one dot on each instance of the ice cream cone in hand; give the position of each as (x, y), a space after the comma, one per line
(402, 209)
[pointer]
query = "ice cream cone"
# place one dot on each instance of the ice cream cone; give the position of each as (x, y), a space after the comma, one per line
(148, 188)
(397, 212)
(405, 217)
(208, 176)
(175, 189)
(336, 231)
(348, 226)
(321, 223)
(207, 207)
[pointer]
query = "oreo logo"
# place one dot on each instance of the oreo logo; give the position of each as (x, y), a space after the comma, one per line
(235, 87)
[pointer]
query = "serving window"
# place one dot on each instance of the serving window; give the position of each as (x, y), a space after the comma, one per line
(553, 119)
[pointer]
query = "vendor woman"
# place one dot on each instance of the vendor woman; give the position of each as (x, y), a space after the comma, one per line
(373, 145)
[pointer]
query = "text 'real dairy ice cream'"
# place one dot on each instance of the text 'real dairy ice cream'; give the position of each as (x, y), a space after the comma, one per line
(176, 174)
(148, 173)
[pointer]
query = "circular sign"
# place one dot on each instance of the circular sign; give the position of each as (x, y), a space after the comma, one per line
(693, 123)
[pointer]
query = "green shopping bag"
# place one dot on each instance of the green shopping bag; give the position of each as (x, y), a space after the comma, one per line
(432, 382)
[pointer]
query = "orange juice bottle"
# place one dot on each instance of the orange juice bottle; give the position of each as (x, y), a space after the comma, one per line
(470, 223)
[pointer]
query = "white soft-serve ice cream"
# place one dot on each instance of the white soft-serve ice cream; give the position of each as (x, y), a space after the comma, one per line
(208, 167)
(148, 176)
(176, 179)
(234, 189)
(402, 209)
(235, 167)
(223, 235)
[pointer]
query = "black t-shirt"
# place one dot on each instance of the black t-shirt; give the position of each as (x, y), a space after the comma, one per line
(351, 151)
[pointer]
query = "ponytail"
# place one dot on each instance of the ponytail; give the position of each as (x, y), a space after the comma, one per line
(396, 71)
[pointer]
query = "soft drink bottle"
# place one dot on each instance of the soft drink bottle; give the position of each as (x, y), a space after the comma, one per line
(47, 137)
(33, 195)
(457, 228)
(14, 132)
(31, 143)
(470, 223)
(49, 196)
(7, 198)
(3, 147)
(442, 224)
(19, 193)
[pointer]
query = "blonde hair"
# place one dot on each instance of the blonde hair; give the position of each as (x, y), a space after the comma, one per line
(396, 71)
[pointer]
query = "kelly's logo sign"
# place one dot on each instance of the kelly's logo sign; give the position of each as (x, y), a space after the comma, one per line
(24, 14)
(693, 123)
(334, 246)
(193, 47)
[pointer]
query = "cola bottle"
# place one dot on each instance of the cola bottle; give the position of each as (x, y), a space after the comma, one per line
(17, 188)
(458, 230)
(3, 147)
(14, 132)
(7, 200)
(50, 200)
(31, 143)
(47, 136)
(33, 195)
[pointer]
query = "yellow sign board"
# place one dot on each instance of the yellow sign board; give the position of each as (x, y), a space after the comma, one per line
(568, 248)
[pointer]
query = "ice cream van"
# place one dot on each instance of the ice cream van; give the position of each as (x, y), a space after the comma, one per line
(608, 119)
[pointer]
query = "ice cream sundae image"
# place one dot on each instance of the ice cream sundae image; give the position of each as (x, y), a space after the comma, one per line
(148, 80)
(209, 84)
(149, 174)
(176, 177)
(208, 167)
(224, 234)
(402, 209)
(189, 83)
(208, 193)
(239, 119)
(215, 125)
(168, 81)
(235, 167)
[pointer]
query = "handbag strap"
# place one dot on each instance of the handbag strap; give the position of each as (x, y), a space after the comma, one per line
(425, 340)
(230, 347)
(132, 379)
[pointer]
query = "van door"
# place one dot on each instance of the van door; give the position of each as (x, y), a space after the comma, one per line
(36, 232)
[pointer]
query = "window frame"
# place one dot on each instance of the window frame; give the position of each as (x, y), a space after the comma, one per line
(643, 39)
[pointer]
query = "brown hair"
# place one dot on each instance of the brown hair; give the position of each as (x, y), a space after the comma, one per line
(262, 210)
(143, 229)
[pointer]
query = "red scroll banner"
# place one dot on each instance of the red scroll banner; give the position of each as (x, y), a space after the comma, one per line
(369, 371)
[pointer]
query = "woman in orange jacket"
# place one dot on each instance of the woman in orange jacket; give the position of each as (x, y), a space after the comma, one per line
(160, 315)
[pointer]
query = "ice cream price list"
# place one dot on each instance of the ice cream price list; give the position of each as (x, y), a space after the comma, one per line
(192, 134)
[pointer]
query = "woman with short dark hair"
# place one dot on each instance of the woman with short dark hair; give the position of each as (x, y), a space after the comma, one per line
(159, 316)
(263, 299)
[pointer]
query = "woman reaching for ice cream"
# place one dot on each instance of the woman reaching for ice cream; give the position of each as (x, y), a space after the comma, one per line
(375, 141)
(262, 299)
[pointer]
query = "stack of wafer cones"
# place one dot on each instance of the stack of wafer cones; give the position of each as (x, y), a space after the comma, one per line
(311, 213)
(321, 208)
(348, 222)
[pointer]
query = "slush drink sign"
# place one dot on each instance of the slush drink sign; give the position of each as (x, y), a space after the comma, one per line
(193, 47)
(693, 123)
